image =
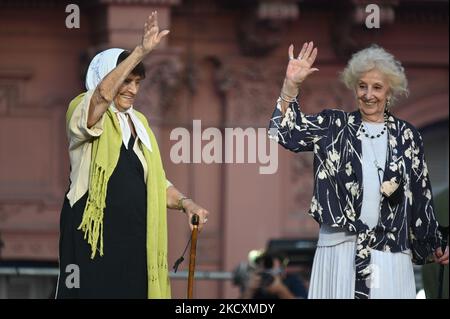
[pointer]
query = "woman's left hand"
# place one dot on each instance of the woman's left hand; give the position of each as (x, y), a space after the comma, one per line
(192, 208)
(439, 257)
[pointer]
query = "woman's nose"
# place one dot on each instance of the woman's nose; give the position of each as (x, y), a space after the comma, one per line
(132, 87)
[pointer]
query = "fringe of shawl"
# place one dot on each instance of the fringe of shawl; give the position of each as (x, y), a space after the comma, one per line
(92, 222)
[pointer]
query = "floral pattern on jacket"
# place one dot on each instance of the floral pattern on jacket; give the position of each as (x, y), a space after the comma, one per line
(335, 139)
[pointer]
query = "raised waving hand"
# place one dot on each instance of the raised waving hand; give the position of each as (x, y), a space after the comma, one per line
(152, 36)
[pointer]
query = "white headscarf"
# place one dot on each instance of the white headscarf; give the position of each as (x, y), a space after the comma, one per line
(103, 63)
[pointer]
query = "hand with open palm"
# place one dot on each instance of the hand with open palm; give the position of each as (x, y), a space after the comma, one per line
(300, 68)
(151, 36)
(297, 71)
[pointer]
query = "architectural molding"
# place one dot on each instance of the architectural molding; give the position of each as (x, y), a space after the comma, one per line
(62, 3)
(11, 88)
(9, 96)
(9, 208)
(349, 16)
(252, 92)
(142, 2)
(259, 37)
(15, 74)
(263, 24)
(29, 245)
(165, 75)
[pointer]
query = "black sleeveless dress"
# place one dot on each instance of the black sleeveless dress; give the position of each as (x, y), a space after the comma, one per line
(122, 271)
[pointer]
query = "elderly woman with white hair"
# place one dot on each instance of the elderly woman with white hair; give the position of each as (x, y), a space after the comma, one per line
(372, 194)
(113, 238)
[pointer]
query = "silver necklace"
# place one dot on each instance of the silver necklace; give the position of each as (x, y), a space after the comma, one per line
(375, 161)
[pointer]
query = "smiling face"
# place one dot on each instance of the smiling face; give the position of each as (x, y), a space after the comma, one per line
(372, 92)
(127, 92)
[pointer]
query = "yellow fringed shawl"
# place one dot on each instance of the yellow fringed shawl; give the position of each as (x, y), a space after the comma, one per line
(105, 155)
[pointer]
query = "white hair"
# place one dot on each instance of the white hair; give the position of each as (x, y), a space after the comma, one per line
(375, 57)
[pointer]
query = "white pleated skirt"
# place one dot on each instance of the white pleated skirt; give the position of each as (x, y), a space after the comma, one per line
(333, 274)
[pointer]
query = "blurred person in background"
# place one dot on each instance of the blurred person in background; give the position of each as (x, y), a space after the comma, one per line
(372, 192)
(268, 279)
(113, 226)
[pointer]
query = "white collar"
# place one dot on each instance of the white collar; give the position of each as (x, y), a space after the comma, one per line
(125, 127)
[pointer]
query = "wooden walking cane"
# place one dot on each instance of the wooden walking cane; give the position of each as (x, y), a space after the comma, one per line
(193, 252)
(444, 232)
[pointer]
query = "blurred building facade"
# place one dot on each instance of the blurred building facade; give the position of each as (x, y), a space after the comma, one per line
(223, 63)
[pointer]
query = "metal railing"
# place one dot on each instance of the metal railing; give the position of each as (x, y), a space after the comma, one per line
(183, 274)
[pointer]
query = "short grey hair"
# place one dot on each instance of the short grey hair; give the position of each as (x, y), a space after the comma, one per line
(375, 57)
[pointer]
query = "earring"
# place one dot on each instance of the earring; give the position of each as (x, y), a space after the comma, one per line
(388, 104)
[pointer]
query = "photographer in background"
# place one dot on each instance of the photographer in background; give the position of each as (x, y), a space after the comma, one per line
(269, 280)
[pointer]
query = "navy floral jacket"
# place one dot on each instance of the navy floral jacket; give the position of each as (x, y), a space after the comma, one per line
(335, 139)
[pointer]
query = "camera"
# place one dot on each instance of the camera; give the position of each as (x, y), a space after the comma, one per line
(268, 272)
(266, 279)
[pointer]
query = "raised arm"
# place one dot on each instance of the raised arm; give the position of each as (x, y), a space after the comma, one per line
(297, 71)
(293, 129)
(107, 89)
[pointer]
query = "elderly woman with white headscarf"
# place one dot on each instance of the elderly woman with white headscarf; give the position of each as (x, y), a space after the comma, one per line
(372, 192)
(113, 239)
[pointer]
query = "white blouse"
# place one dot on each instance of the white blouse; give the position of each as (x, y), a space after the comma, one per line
(372, 149)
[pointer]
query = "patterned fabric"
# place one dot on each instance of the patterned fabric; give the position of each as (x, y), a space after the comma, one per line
(406, 221)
